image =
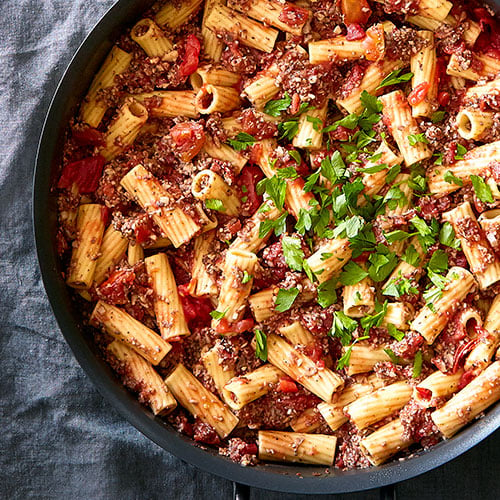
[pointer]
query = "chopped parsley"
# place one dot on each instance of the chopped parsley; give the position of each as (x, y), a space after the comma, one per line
(286, 298)
(481, 189)
(276, 106)
(293, 253)
(352, 274)
(327, 294)
(417, 365)
(242, 141)
(288, 130)
(275, 188)
(447, 236)
(261, 345)
(394, 77)
(268, 225)
(394, 359)
(217, 315)
(246, 277)
(316, 122)
(374, 320)
(215, 205)
(414, 139)
(450, 178)
(295, 155)
(395, 333)
(437, 116)
(400, 286)
(346, 357)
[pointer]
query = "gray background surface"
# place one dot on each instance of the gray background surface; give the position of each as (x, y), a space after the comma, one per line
(58, 437)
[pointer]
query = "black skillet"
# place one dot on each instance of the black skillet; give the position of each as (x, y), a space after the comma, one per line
(286, 478)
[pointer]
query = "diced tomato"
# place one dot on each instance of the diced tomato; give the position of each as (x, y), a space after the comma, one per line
(259, 129)
(314, 352)
(190, 61)
(250, 449)
(443, 98)
(244, 325)
(466, 378)
(116, 287)
(188, 138)
(374, 43)
(255, 153)
(84, 173)
(88, 136)
(205, 433)
(461, 352)
(142, 234)
(418, 94)
(293, 16)
(295, 105)
(247, 181)
(196, 310)
(287, 385)
(424, 393)
(355, 32)
(355, 11)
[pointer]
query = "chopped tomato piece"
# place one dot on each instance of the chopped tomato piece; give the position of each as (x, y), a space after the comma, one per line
(443, 98)
(116, 287)
(295, 105)
(355, 11)
(239, 327)
(190, 61)
(88, 136)
(417, 95)
(84, 173)
(247, 180)
(355, 32)
(374, 43)
(287, 385)
(424, 393)
(293, 16)
(466, 378)
(461, 352)
(196, 310)
(188, 138)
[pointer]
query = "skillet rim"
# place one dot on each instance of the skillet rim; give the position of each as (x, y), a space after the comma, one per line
(274, 477)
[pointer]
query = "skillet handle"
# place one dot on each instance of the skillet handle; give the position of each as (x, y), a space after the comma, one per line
(241, 491)
(388, 492)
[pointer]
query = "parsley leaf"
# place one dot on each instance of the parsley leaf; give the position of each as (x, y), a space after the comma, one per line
(394, 77)
(350, 227)
(327, 295)
(413, 139)
(317, 123)
(275, 188)
(288, 130)
(461, 151)
(482, 190)
(267, 225)
(293, 253)
(346, 357)
(417, 365)
(370, 102)
(450, 178)
(275, 107)
(242, 141)
(411, 256)
(296, 156)
(438, 262)
(383, 261)
(287, 173)
(399, 286)
(214, 204)
(427, 234)
(397, 235)
(246, 277)
(352, 274)
(395, 333)
(447, 236)
(286, 298)
(437, 116)
(376, 319)
(394, 359)
(343, 327)
(350, 122)
(217, 314)
(261, 345)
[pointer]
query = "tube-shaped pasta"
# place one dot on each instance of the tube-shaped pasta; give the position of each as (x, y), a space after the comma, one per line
(309, 134)
(200, 402)
(359, 299)
(175, 14)
(211, 75)
(220, 374)
(211, 99)
(281, 446)
(482, 392)
(372, 78)
(402, 125)
(484, 350)
(145, 189)
(364, 357)
(120, 325)
(296, 334)
(490, 224)
(225, 153)
(208, 185)
(423, 67)
(141, 377)
(434, 9)
(329, 258)
(429, 323)
(320, 381)
(248, 238)
(308, 421)
(233, 292)
(113, 248)
(487, 66)
(473, 124)
(135, 253)
(167, 305)
(373, 407)
(437, 385)
(263, 88)
(262, 304)
(124, 129)
(482, 260)
(170, 103)
(212, 44)
(202, 283)
(399, 314)
(248, 31)
(339, 47)
(89, 230)
(94, 108)
(385, 442)
(333, 413)
(151, 38)
(479, 91)
(270, 12)
(239, 391)
(475, 162)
